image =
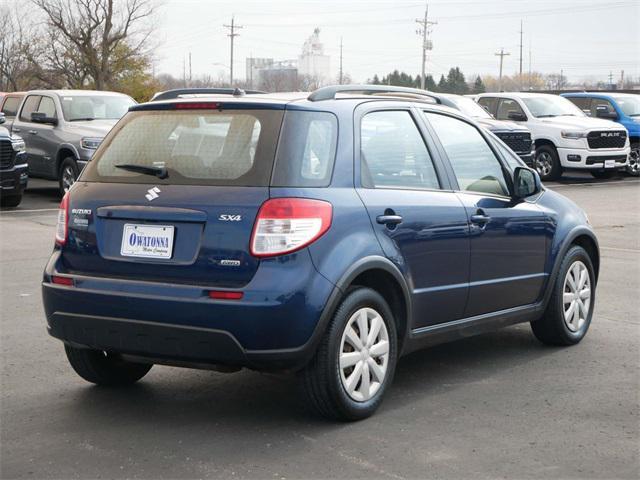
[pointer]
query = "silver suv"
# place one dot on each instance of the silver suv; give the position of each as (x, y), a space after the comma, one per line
(62, 129)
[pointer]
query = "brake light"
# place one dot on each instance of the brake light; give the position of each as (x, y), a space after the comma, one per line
(225, 295)
(63, 218)
(284, 225)
(66, 281)
(197, 106)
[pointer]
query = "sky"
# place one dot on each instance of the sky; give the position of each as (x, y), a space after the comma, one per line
(585, 38)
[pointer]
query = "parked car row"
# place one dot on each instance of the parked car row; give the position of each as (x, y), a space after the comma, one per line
(597, 132)
(60, 130)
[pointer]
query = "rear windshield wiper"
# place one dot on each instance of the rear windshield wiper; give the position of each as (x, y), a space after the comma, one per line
(160, 172)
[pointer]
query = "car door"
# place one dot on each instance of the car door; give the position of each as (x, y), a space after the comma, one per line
(508, 237)
(24, 127)
(419, 222)
(42, 137)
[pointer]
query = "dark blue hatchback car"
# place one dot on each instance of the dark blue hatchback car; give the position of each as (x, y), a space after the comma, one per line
(325, 235)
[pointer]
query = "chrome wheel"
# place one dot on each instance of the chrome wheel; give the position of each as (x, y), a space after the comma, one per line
(364, 354)
(633, 168)
(544, 164)
(577, 296)
(68, 177)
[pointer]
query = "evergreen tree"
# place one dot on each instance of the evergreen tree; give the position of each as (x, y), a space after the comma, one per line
(478, 86)
(430, 84)
(376, 80)
(442, 85)
(456, 82)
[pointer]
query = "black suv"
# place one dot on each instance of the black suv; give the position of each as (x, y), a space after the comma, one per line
(13, 167)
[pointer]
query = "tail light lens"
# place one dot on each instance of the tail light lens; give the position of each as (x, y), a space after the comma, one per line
(63, 218)
(285, 225)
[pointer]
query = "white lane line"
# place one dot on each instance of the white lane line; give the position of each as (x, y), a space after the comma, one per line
(30, 211)
(631, 250)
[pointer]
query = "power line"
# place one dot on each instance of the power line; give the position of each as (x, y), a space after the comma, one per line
(232, 34)
(501, 54)
(425, 30)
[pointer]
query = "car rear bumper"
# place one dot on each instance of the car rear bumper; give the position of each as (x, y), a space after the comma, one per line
(13, 181)
(593, 159)
(179, 323)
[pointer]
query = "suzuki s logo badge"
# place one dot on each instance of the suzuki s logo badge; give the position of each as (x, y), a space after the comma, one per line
(152, 193)
(230, 218)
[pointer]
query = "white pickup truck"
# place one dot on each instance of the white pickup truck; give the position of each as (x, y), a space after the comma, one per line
(565, 138)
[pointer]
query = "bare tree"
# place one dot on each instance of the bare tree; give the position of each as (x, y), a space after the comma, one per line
(89, 39)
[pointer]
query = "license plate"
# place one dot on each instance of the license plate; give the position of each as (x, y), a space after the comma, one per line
(609, 164)
(147, 241)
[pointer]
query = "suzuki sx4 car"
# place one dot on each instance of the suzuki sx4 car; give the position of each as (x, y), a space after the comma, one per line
(325, 235)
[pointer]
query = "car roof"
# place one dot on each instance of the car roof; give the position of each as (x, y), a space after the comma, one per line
(516, 95)
(77, 93)
(601, 94)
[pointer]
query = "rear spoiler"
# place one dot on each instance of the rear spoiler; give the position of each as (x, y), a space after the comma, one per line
(180, 92)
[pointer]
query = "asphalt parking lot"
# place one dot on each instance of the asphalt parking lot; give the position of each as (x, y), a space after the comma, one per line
(498, 405)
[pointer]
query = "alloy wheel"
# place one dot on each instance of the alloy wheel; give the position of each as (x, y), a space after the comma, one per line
(576, 298)
(68, 177)
(364, 354)
(634, 158)
(544, 164)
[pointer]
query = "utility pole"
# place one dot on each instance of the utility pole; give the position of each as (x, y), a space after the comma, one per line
(340, 78)
(501, 54)
(184, 72)
(232, 34)
(529, 64)
(610, 79)
(190, 71)
(561, 79)
(425, 31)
(520, 54)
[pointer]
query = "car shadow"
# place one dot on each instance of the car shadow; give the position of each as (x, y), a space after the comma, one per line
(247, 398)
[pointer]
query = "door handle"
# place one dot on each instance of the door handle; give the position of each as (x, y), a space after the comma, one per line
(33, 132)
(480, 219)
(389, 219)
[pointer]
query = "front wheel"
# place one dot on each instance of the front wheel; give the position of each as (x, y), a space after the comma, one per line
(356, 360)
(570, 309)
(67, 174)
(547, 163)
(103, 368)
(633, 168)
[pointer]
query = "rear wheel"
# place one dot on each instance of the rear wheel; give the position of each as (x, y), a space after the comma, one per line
(633, 168)
(547, 163)
(11, 200)
(104, 368)
(355, 362)
(570, 308)
(67, 174)
(603, 174)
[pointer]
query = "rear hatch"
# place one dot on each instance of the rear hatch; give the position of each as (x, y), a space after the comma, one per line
(172, 194)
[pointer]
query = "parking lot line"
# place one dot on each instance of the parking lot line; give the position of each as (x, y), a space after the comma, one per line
(30, 211)
(630, 250)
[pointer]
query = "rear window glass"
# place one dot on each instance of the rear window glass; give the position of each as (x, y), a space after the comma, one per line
(231, 147)
(306, 150)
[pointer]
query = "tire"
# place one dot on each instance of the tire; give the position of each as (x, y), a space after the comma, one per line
(552, 328)
(633, 168)
(103, 368)
(603, 174)
(547, 163)
(11, 200)
(67, 174)
(324, 382)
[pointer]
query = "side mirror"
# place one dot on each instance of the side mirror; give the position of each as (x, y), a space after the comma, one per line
(603, 112)
(2, 118)
(39, 117)
(526, 182)
(516, 116)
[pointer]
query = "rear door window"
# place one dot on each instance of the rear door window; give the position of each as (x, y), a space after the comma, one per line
(393, 153)
(489, 104)
(583, 103)
(230, 147)
(603, 104)
(10, 107)
(30, 106)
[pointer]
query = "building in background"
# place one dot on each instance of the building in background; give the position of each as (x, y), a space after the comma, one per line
(313, 62)
(254, 65)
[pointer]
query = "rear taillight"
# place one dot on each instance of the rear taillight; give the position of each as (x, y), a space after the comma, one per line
(284, 225)
(63, 218)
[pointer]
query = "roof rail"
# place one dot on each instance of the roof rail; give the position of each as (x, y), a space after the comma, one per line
(329, 93)
(178, 92)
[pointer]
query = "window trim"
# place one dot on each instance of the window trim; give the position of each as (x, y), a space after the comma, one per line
(365, 109)
(24, 103)
(506, 171)
(514, 100)
(55, 106)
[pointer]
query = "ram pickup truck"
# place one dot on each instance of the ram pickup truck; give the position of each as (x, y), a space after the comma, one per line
(13, 167)
(623, 108)
(63, 128)
(565, 137)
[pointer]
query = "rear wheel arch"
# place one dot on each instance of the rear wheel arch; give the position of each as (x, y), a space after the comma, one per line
(384, 277)
(63, 153)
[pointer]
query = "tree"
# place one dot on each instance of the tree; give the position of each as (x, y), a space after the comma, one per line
(455, 82)
(478, 86)
(91, 40)
(442, 84)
